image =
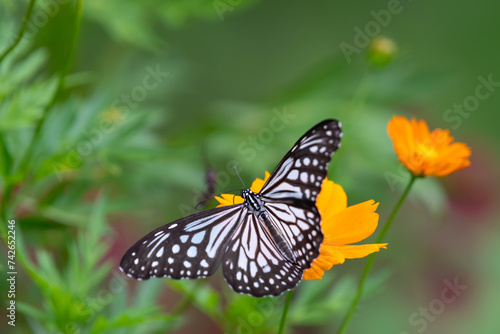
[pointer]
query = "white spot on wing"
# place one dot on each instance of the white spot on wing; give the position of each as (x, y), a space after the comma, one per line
(253, 269)
(160, 252)
(192, 251)
(198, 237)
(303, 177)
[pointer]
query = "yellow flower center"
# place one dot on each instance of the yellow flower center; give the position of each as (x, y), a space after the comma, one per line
(426, 150)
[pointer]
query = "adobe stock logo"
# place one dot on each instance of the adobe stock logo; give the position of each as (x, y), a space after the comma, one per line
(471, 103)
(420, 320)
(225, 6)
(114, 117)
(362, 38)
(44, 12)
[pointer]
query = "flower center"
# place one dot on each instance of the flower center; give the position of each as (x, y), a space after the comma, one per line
(422, 153)
(426, 150)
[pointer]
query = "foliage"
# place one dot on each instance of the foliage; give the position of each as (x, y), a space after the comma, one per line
(97, 148)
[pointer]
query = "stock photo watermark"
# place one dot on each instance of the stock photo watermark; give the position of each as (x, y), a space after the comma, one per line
(94, 305)
(45, 11)
(223, 6)
(248, 148)
(252, 321)
(253, 144)
(115, 116)
(421, 318)
(363, 37)
(484, 89)
(11, 272)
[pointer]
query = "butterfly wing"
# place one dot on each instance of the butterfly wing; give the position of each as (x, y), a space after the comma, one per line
(301, 172)
(252, 264)
(300, 226)
(191, 247)
(194, 246)
(289, 195)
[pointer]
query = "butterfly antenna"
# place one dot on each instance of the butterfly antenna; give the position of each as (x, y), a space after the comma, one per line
(239, 177)
(203, 201)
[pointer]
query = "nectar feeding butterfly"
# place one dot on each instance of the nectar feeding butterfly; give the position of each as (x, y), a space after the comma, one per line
(264, 243)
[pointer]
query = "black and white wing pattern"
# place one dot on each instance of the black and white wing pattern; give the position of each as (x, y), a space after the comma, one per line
(301, 172)
(265, 243)
(191, 247)
(290, 193)
(255, 263)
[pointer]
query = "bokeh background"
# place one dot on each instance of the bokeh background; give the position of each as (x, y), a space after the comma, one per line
(126, 127)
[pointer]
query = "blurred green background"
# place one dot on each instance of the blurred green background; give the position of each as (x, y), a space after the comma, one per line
(113, 113)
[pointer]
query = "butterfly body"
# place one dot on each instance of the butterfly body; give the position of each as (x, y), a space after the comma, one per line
(263, 244)
(256, 207)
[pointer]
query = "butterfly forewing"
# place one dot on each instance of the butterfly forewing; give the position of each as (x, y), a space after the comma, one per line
(191, 247)
(289, 195)
(253, 264)
(301, 172)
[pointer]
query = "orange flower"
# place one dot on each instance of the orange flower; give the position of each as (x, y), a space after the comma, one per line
(426, 153)
(341, 226)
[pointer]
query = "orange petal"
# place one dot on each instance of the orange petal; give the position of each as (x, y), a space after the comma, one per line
(228, 199)
(359, 251)
(331, 199)
(259, 183)
(328, 257)
(351, 225)
(426, 153)
(313, 273)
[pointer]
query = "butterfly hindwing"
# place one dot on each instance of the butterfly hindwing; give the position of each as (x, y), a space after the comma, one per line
(301, 227)
(191, 247)
(252, 264)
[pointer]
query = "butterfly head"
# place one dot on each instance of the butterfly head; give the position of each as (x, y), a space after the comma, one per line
(245, 193)
(252, 201)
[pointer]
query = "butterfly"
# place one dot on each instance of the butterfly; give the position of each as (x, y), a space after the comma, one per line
(265, 243)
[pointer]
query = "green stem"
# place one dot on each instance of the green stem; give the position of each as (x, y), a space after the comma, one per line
(22, 30)
(285, 311)
(361, 94)
(371, 258)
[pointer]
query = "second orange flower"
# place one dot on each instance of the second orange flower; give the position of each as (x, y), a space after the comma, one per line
(426, 153)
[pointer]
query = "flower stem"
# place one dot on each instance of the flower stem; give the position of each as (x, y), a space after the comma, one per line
(285, 311)
(22, 30)
(371, 258)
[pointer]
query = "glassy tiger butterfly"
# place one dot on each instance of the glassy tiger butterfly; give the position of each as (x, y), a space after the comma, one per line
(264, 243)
